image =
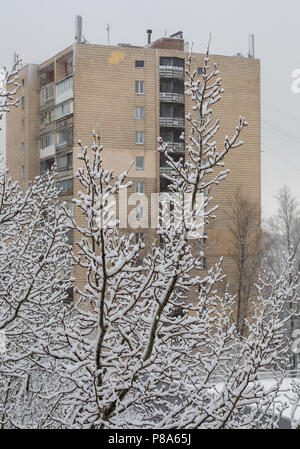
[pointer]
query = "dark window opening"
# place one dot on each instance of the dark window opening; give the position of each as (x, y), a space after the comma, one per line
(70, 296)
(139, 64)
(46, 164)
(175, 62)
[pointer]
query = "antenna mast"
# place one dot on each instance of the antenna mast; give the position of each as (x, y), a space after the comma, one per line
(108, 29)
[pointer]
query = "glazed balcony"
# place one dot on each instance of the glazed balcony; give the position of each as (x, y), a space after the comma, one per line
(175, 122)
(171, 97)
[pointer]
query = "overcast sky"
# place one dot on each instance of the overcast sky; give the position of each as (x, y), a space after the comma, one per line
(37, 30)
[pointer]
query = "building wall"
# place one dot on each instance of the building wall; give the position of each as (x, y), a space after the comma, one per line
(28, 132)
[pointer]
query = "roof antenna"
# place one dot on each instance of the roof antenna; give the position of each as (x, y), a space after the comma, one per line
(108, 29)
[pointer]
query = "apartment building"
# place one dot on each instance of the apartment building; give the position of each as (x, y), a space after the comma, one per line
(132, 94)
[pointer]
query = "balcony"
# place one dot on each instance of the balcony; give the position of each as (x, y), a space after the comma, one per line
(164, 170)
(171, 97)
(171, 71)
(177, 147)
(175, 122)
(64, 90)
(47, 151)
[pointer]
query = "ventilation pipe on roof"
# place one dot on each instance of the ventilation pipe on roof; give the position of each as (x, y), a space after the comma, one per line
(149, 32)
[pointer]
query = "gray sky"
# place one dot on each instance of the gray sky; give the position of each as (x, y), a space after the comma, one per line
(37, 30)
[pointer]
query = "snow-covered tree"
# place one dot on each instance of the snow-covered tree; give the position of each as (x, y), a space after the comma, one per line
(245, 251)
(132, 361)
(144, 345)
(34, 277)
(282, 236)
(8, 86)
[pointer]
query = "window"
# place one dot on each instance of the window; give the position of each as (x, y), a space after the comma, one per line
(23, 125)
(64, 86)
(47, 117)
(22, 147)
(69, 65)
(64, 162)
(46, 164)
(64, 109)
(70, 236)
(139, 64)
(47, 94)
(23, 102)
(139, 87)
(139, 137)
(139, 236)
(203, 262)
(201, 70)
(139, 212)
(64, 136)
(70, 296)
(66, 186)
(23, 82)
(139, 163)
(22, 171)
(139, 187)
(139, 112)
(46, 141)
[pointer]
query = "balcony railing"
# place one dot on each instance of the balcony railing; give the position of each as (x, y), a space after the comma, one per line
(177, 147)
(167, 71)
(171, 97)
(164, 169)
(175, 122)
(47, 151)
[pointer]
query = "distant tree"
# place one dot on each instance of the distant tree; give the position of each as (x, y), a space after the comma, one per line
(282, 236)
(245, 250)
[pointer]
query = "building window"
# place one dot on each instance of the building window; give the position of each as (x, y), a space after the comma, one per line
(22, 102)
(64, 162)
(64, 136)
(22, 171)
(139, 162)
(139, 112)
(139, 137)
(23, 82)
(70, 236)
(201, 70)
(139, 236)
(64, 86)
(66, 186)
(70, 296)
(22, 147)
(139, 64)
(203, 263)
(46, 164)
(46, 141)
(64, 109)
(139, 187)
(69, 66)
(139, 87)
(47, 94)
(23, 125)
(47, 117)
(139, 212)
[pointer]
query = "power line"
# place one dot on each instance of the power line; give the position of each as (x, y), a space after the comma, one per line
(281, 112)
(280, 157)
(281, 131)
